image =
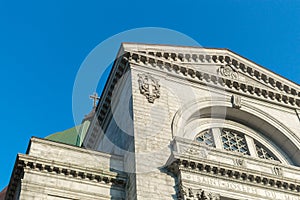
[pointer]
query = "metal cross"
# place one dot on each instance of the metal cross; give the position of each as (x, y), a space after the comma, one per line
(95, 98)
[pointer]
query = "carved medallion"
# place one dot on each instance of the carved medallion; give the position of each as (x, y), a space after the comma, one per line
(228, 72)
(149, 87)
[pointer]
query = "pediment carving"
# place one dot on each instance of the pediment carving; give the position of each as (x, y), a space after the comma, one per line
(228, 71)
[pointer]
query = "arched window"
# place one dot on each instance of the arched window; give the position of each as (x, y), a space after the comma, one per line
(206, 137)
(234, 141)
(246, 142)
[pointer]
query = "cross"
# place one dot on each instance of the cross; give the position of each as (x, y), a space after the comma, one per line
(95, 97)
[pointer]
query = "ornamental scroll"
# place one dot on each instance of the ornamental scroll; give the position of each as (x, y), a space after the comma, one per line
(149, 87)
(227, 71)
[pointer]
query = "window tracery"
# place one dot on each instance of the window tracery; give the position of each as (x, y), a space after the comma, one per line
(263, 152)
(235, 141)
(206, 137)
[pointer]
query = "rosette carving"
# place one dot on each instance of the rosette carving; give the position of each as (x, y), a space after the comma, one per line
(228, 72)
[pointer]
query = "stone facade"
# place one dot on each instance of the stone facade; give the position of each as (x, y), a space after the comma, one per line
(177, 123)
(52, 170)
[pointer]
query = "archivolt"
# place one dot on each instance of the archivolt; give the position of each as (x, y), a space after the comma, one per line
(247, 115)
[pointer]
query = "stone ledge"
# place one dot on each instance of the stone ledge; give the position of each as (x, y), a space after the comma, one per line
(66, 169)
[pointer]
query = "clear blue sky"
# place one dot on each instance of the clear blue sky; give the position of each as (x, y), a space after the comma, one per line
(43, 43)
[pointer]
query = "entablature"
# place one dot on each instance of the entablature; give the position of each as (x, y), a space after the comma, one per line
(200, 159)
(226, 77)
(64, 170)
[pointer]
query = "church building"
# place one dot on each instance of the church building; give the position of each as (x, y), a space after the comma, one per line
(174, 122)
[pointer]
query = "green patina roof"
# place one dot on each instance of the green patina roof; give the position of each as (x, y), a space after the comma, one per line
(68, 136)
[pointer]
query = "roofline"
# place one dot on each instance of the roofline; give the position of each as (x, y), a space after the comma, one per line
(123, 44)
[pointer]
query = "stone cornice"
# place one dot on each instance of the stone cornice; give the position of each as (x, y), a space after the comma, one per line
(270, 89)
(27, 162)
(234, 174)
(103, 108)
(200, 55)
(196, 158)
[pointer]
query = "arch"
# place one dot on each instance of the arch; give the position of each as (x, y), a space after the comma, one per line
(248, 115)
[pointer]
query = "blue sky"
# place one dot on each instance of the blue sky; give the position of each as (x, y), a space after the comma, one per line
(43, 43)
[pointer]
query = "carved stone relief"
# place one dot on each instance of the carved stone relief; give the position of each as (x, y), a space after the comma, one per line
(149, 87)
(192, 150)
(236, 101)
(228, 72)
(277, 171)
(239, 162)
(197, 194)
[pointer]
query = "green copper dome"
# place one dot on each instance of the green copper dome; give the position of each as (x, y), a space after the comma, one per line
(68, 136)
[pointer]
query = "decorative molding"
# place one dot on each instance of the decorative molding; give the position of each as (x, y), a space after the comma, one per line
(184, 164)
(149, 87)
(26, 162)
(227, 71)
(192, 150)
(210, 196)
(298, 113)
(239, 162)
(277, 171)
(269, 89)
(222, 57)
(236, 101)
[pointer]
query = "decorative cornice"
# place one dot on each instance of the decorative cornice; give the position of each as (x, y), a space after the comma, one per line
(234, 173)
(26, 162)
(200, 55)
(276, 90)
(103, 108)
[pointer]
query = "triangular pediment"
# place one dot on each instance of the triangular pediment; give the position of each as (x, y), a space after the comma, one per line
(220, 66)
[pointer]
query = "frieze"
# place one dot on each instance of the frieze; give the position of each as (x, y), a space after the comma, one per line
(206, 167)
(228, 186)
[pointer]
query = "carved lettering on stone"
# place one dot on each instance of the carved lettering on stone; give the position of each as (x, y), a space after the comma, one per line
(236, 101)
(228, 72)
(149, 87)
